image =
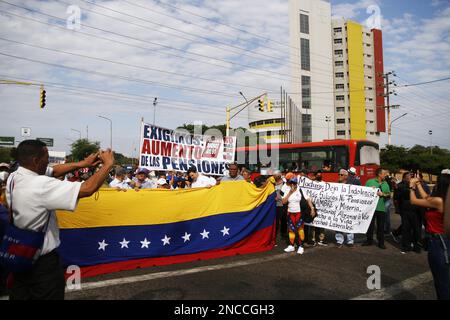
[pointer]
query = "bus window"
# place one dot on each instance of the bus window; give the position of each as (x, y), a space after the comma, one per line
(341, 158)
(368, 154)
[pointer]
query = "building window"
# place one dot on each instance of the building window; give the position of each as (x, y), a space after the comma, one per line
(304, 23)
(340, 86)
(340, 121)
(339, 63)
(338, 29)
(340, 98)
(306, 128)
(340, 109)
(306, 92)
(304, 45)
(338, 52)
(337, 41)
(339, 74)
(368, 45)
(341, 132)
(371, 111)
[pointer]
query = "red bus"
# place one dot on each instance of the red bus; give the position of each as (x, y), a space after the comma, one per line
(330, 155)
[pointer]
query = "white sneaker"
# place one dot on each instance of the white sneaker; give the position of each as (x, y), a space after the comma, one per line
(290, 248)
(300, 250)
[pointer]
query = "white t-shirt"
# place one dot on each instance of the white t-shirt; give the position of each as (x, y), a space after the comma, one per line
(35, 196)
(119, 184)
(294, 200)
(203, 181)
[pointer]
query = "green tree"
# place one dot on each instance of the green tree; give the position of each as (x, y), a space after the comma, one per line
(393, 158)
(82, 148)
(5, 154)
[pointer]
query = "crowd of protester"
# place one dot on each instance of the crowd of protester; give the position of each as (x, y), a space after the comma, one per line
(421, 208)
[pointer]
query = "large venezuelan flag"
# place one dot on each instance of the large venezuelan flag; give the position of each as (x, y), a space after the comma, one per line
(116, 231)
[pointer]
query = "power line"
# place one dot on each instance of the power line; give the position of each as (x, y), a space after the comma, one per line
(185, 88)
(132, 65)
(161, 45)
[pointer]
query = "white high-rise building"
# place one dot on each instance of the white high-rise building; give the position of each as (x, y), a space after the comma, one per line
(312, 86)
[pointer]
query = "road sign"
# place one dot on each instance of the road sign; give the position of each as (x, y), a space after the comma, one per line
(26, 132)
(47, 141)
(7, 141)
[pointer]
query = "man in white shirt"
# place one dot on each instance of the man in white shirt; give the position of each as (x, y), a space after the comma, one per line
(120, 180)
(34, 194)
(199, 180)
(141, 181)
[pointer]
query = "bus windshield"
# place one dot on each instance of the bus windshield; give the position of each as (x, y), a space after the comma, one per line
(326, 158)
(367, 154)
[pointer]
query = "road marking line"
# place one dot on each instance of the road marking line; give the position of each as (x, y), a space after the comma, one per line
(177, 273)
(390, 292)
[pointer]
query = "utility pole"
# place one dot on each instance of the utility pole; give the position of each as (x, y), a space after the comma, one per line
(388, 105)
(155, 103)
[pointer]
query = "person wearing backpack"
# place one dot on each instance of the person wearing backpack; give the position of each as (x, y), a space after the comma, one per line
(295, 221)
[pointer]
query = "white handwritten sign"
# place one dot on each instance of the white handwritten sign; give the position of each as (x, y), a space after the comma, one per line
(341, 207)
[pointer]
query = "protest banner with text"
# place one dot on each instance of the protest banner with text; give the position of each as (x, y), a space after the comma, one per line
(166, 150)
(341, 207)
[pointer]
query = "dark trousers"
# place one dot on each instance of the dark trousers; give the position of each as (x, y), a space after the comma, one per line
(44, 282)
(281, 222)
(410, 229)
(379, 216)
(439, 265)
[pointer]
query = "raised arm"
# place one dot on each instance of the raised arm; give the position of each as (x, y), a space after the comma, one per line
(91, 161)
(427, 201)
(90, 186)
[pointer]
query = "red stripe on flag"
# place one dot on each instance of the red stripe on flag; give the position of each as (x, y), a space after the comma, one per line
(262, 240)
(22, 251)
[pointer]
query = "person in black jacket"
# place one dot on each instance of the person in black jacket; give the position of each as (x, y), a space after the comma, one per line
(410, 221)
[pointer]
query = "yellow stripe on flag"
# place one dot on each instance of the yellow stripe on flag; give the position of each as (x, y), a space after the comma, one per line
(112, 208)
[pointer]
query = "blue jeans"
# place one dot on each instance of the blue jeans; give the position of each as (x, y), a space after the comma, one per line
(340, 237)
(439, 268)
(389, 206)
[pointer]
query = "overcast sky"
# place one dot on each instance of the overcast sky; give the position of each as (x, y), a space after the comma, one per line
(127, 52)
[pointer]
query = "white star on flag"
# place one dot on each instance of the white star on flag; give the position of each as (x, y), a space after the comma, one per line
(124, 243)
(103, 245)
(225, 231)
(166, 240)
(205, 234)
(186, 237)
(145, 243)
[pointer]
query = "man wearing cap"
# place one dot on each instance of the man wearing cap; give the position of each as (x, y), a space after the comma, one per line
(141, 181)
(352, 177)
(340, 236)
(119, 181)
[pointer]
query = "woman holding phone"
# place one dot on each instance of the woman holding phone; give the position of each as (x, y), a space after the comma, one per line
(438, 243)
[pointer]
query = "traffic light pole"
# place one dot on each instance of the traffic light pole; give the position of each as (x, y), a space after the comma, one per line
(245, 105)
(23, 83)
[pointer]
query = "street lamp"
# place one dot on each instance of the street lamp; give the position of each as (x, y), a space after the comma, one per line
(430, 132)
(155, 102)
(110, 126)
(228, 111)
(390, 127)
(79, 132)
(328, 120)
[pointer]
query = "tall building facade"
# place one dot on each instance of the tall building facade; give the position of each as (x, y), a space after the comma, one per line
(312, 67)
(337, 74)
(358, 81)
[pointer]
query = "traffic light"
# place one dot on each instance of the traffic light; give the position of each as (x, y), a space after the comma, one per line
(42, 104)
(261, 105)
(269, 106)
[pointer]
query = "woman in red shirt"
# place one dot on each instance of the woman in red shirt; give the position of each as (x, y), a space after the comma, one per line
(438, 243)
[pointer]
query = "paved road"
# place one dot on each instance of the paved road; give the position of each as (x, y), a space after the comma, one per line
(320, 273)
